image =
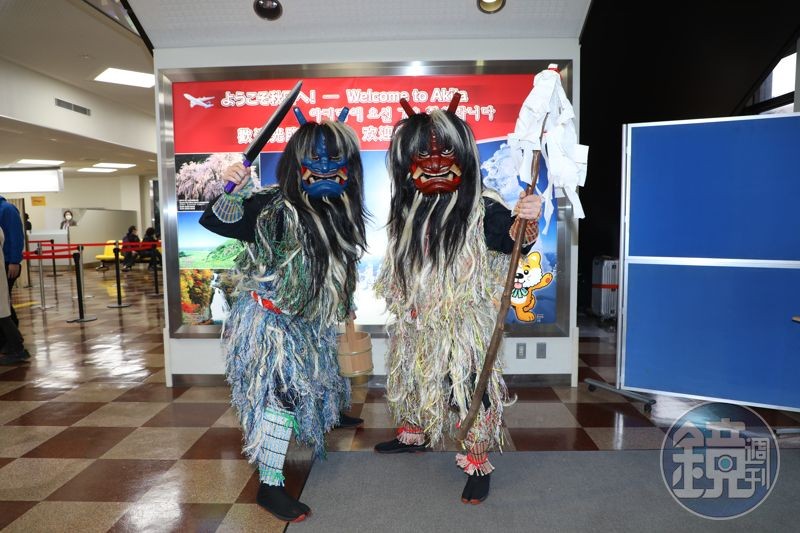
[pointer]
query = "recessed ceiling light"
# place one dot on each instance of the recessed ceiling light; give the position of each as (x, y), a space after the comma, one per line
(113, 165)
(127, 77)
(51, 162)
(95, 169)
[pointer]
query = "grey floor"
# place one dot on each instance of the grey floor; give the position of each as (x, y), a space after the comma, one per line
(604, 491)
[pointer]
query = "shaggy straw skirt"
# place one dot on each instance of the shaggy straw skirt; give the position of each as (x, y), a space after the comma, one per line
(285, 362)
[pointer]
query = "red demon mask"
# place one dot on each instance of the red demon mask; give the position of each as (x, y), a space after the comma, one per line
(435, 171)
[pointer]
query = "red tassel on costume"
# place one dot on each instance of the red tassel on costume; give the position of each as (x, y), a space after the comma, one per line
(476, 460)
(411, 434)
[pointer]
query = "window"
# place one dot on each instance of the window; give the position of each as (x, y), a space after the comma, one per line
(782, 78)
(776, 93)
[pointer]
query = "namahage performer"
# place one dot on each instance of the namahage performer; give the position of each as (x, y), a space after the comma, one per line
(303, 239)
(442, 278)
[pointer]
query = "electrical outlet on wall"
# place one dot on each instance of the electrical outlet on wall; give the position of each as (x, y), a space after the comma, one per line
(541, 350)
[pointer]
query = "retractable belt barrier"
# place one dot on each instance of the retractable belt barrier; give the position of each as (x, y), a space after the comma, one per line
(119, 304)
(49, 242)
(150, 245)
(79, 284)
(47, 249)
(83, 283)
(60, 251)
(38, 256)
(146, 245)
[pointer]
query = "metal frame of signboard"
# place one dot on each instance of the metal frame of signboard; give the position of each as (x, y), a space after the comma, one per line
(169, 218)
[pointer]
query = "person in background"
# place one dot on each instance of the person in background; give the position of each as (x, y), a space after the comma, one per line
(152, 253)
(14, 352)
(11, 224)
(28, 225)
(129, 256)
(69, 220)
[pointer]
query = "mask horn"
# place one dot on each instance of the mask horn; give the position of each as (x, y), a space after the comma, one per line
(343, 114)
(407, 107)
(299, 114)
(454, 103)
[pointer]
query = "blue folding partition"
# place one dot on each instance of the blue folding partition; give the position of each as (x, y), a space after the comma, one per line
(711, 260)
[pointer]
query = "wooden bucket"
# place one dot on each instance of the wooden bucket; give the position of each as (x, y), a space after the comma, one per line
(355, 352)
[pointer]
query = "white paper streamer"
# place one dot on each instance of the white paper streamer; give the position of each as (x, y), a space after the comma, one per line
(565, 158)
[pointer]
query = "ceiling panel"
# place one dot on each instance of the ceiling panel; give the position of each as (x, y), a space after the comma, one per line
(19, 140)
(72, 42)
(191, 23)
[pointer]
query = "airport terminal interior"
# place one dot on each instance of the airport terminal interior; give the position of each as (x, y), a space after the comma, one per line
(121, 420)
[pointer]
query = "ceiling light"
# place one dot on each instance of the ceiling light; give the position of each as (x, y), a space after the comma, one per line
(95, 169)
(268, 9)
(31, 180)
(127, 77)
(491, 6)
(47, 162)
(113, 165)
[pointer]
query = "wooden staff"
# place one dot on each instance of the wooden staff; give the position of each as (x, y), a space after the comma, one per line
(350, 332)
(505, 303)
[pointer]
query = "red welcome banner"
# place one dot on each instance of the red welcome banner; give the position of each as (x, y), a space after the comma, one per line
(223, 116)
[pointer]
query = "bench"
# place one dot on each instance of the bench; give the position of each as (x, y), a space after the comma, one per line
(108, 255)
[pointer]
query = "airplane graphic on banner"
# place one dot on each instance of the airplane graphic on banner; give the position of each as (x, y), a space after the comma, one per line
(202, 101)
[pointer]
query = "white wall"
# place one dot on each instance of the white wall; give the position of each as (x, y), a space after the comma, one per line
(197, 356)
(99, 226)
(30, 97)
(146, 204)
(130, 198)
(106, 192)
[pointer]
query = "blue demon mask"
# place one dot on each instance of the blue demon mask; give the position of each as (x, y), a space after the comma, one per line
(324, 173)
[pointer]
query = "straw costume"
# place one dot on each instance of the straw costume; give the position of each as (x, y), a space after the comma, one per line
(442, 278)
(303, 241)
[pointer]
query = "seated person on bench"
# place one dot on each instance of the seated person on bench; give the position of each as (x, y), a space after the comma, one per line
(129, 256)
(153, 253)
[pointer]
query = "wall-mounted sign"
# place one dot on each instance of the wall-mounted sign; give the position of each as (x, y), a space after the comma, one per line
(214, 121)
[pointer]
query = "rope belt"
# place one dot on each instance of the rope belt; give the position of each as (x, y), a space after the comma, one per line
(265, 303)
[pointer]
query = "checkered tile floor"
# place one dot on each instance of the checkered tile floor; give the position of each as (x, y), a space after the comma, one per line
(92, 440)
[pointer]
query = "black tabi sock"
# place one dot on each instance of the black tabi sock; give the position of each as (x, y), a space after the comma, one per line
(476, 490)
(275, 500)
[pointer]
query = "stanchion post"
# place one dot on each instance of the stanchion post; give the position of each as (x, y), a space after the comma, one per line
(155, 275)
(155, 280)
(53, 250)
(119, 303)
(42, 304)
(80, 256)
(28, 263)
(78, 282)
